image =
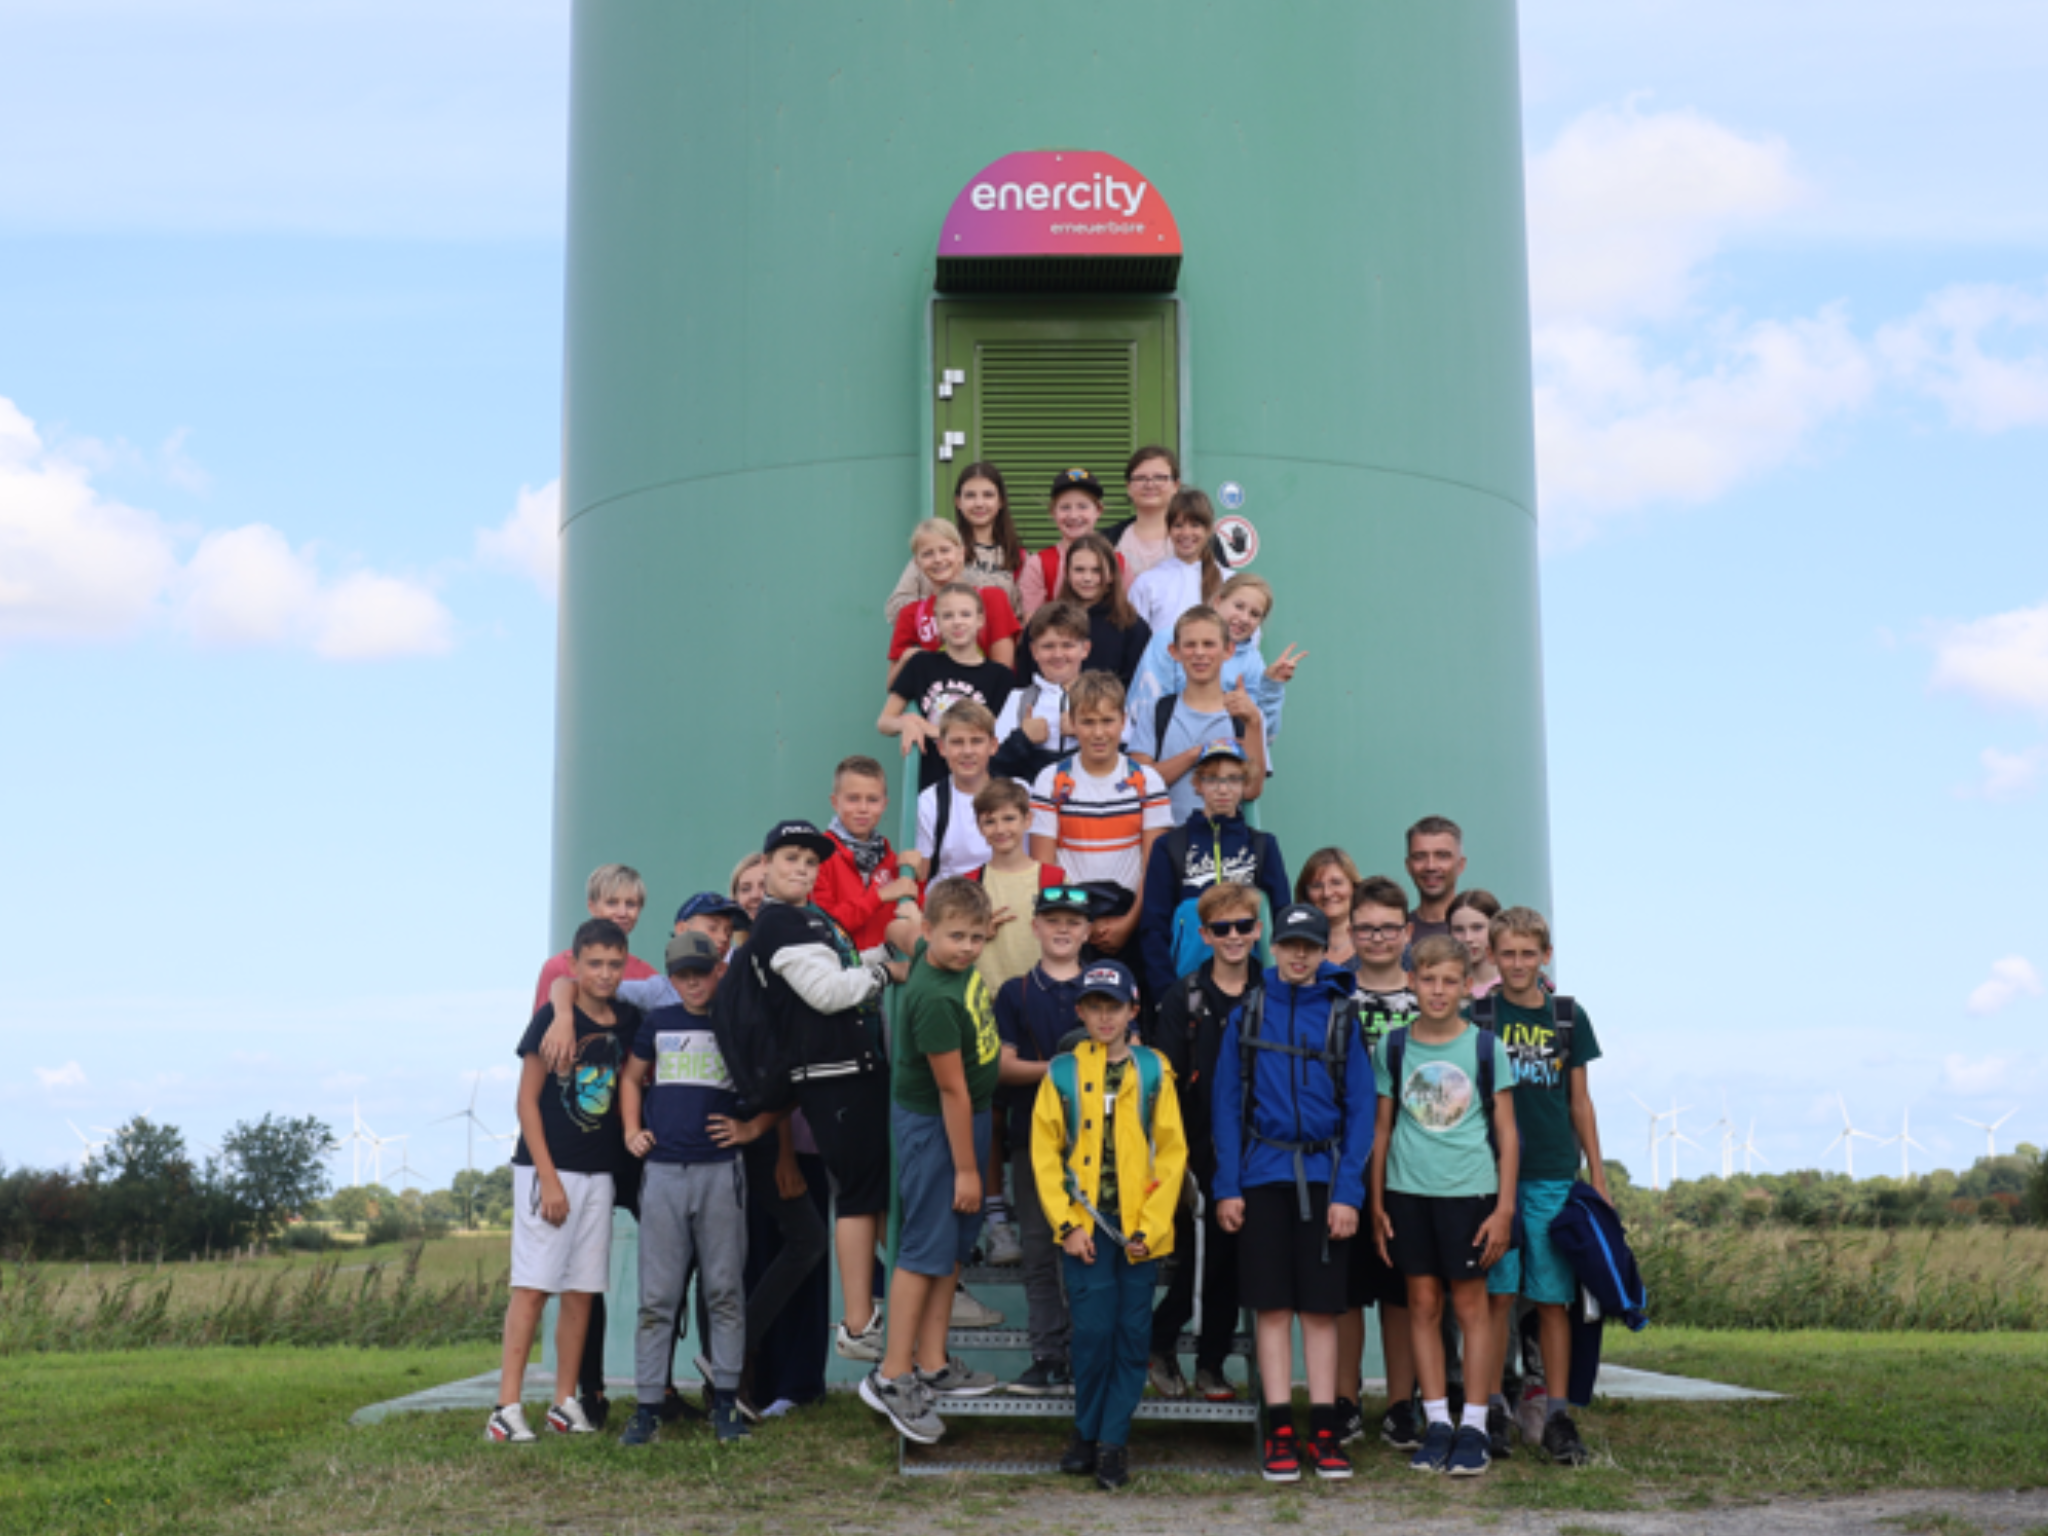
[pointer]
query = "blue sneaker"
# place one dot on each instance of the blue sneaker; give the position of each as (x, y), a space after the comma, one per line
(1436, 1449)
(1468, 1453)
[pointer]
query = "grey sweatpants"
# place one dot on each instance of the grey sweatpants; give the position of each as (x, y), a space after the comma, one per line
(692, 1213)
(1045, 1292)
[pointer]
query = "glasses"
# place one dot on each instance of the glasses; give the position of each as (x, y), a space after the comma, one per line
(1238, 926)
(1378, 935)
(1150, 480)
(1064, 896)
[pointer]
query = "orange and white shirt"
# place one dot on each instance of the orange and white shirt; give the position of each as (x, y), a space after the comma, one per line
(1098, 823)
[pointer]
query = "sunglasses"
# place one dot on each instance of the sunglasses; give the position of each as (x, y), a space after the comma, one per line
(1238, 926)
(1061, 896)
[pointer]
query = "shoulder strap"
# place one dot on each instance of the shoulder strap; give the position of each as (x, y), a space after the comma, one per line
(1061, 1069)
(1488, 1042)
(1162, 719)
(1027, 700)
(1062, 782)
(1177, 850)
(1566, 1012)
(1150, 1074)
(942, 817)
(1396, 1048)
(1247, 1051)
(1483, 1010)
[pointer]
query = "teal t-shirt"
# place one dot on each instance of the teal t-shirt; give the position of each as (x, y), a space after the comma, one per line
(1439, 1146)
(1543, 1090)
(940, 1011)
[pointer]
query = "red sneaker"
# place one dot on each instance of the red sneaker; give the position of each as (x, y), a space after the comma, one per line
(1327, 1453)
(1283, 1457)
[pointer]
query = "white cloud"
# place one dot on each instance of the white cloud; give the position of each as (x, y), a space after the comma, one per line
(367, 617)
(2011, 979)
(2009, 775)
(248, 586)
(1941, 351)
(529, 542)
(70, 1075)
(1961, 1075)
(2002, 659)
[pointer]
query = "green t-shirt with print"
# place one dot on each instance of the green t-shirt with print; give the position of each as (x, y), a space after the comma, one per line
(1543, 1090)
(939, 1011)
(1439, 1146)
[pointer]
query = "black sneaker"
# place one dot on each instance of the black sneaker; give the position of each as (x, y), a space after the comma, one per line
(1401, 1427)
(643, 1426)
(1078, 1459)
(1561, 1441)
(1112, 1467)
(1045, 1378)
(1350, 1421)
(1499, 1434)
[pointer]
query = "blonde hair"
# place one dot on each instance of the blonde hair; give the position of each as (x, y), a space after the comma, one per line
(1526, 921)
(959, 589)
(861, 768)
(1442, 949)
(1224, 896)
(1095, 691)
(1245, 581)
(732, 888)
(935, 528)
(609, 880)
(1200, 614)
(967, 715)
(955, 897)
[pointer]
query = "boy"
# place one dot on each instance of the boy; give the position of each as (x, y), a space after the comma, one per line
(948, 834)
(1097, 814)
(1445, 1102)
(569, 1146)
(1034, 1012)
(946, 1062)
(935, 681)
(616, 893)
(1110, 1159)
(1386, 1002)
(824, 994)
(1212, 847)
(1012, 878)
(861, 887)
(688, 1213)
(1550, 1042)
(1183, 724)
(1293, 1126)
(1189, 1033)
(1034, 727)
(1436, 857)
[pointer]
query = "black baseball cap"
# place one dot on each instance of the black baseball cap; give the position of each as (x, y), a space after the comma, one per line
(798, 834)
(692, 951)
(1303, 923)
(1109, 978)
(710, 904)
(1074, 900)
(1076, 480)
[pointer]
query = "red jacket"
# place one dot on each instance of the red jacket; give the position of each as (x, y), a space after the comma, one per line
(851, 901)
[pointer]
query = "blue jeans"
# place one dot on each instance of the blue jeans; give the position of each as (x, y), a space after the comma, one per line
(1109, 1304)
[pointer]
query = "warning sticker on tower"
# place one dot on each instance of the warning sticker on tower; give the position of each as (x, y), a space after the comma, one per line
(1237, 542)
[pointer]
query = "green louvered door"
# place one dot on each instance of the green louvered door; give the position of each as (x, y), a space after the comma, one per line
(1038, 388)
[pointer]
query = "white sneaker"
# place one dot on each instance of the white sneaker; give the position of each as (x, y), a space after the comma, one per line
(566, 1418)
(865, 1345)
(1004, 1244)
(507, 1426)
(969, 1313)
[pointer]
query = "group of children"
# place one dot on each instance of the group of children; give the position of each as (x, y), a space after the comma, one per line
(1100, 983)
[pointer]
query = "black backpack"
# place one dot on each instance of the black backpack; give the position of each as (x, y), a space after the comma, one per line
(759, 1053)
(1334, 1054)
(1162, 717)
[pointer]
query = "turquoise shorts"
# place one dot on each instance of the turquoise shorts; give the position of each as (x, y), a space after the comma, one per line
(1536, 1270)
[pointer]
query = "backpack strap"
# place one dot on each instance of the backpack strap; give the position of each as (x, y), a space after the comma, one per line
(942, 818)
(1566, 1013)
(1176, 842)
(1483, 1010)
(1162, 720)
(1062, 1069)
(1488, 1043)
(1062, 783)
(1396, 1047)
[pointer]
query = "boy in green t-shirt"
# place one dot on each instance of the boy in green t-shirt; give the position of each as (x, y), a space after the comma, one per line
(947, 1059)
(1441, 1155)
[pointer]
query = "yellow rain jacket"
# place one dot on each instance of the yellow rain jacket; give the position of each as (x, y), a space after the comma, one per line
(1149, 1172)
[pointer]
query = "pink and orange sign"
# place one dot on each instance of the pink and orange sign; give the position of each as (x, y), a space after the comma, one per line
(1059, 202)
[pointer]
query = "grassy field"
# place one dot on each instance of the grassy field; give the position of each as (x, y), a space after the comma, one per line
(233, 1441)
(442, 1261)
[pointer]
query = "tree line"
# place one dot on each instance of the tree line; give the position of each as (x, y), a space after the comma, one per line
(2007, 1190)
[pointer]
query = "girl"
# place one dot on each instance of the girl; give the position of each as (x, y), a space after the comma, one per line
(1192, 576)
(939, 554)
(1076, 507)
(1326, 882)
(1150, 479)
(1472, 915)
(1246, 602)
(750, 883)
(995, 554)
(936, 680)
(1117, 637)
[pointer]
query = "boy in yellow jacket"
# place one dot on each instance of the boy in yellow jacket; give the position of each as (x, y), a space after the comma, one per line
(1112, 1209)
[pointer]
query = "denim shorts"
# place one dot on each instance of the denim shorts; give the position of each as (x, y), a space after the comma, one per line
(934, 1236)
(1536, 1270)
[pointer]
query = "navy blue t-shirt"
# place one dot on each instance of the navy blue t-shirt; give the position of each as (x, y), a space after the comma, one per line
(579, 1110)
(1034, 1013)
(690, 1084)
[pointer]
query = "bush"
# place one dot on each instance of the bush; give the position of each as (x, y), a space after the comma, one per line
(306, 1238)
(398, 1226)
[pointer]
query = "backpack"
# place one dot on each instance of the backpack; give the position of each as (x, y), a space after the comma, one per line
(1563, 1010)
(1334, 1055)
(1063, 782)
(759, 1054)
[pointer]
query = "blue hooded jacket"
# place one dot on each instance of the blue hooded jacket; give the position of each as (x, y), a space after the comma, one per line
(1293, 1097)
(1170, 935)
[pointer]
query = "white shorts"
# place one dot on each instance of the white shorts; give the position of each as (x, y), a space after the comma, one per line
(577, 1255)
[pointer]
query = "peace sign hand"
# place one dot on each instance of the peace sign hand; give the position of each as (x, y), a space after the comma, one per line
(1282, 671)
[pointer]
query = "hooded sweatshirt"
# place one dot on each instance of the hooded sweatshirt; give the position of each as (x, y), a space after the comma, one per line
(1185, 862)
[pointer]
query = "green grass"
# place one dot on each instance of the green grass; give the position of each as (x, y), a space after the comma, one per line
(248, 1441)
(1928, 1522)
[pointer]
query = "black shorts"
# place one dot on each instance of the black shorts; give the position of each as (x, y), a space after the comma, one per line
(849, 1119)
(1434, 1236)
(1283, 1262)
(1372, 1282)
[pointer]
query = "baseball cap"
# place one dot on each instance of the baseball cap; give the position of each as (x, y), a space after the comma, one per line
(1303, 923)
(1222, 746)
(1076, 480)
(710, 904)
(692, 951)
(798, 834)
(1074, 900)
(1109, 978)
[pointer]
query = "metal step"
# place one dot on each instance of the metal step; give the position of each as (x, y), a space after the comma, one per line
(912, 1461)
(1019, 1339)
(975, 1276)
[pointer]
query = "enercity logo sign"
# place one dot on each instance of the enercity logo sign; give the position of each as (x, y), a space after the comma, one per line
(1063, 202)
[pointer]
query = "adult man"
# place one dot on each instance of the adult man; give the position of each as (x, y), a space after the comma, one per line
(1436, 857)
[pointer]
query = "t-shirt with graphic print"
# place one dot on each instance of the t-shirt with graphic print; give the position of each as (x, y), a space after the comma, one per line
(1099, 824)
(917, 627)
(579, 1109)
(1381, 1012)
(934, 682)
(1543, 1090)
(690, 1085)
(1113, 1074)
(940, 1011)
(1439, 1146)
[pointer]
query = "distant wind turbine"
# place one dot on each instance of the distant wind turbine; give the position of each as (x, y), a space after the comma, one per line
(404, 1170)
(1749, 1149)
(1675, 1136)
(1990, 1131)
(1656, 1119)
(1846, 1138)
(92, 1148)
(357, 1138)
(1905, 1142)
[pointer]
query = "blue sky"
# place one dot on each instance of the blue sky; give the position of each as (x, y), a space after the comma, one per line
(280, 353)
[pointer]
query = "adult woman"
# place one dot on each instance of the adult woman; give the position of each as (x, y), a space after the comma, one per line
(1326, 882)
(1151, 477)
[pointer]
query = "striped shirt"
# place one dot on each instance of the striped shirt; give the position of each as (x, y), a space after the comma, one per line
(1098, 824)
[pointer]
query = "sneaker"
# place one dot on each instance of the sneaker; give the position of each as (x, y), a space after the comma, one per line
(567, 1418)
(957, 1379)
(678, 1409)
(1282, 1463)
(1078, 1459)
(1468, 1456)
(507, 1426)
(1400, 1427)
(1562, 1443)
(1530, 1413)
(904, 1403)
(1112, 1467)
(1435, 1449)
(1326, 1452)
(969, 1313)
(1211, 1386)
(865, 1345)
(726, 1422)
(1350, 1421)
(597, 1409)
(1164, 1373)
(643, 1426)
(1045, 1378)
(1499, 1434)
(1002, 1243)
